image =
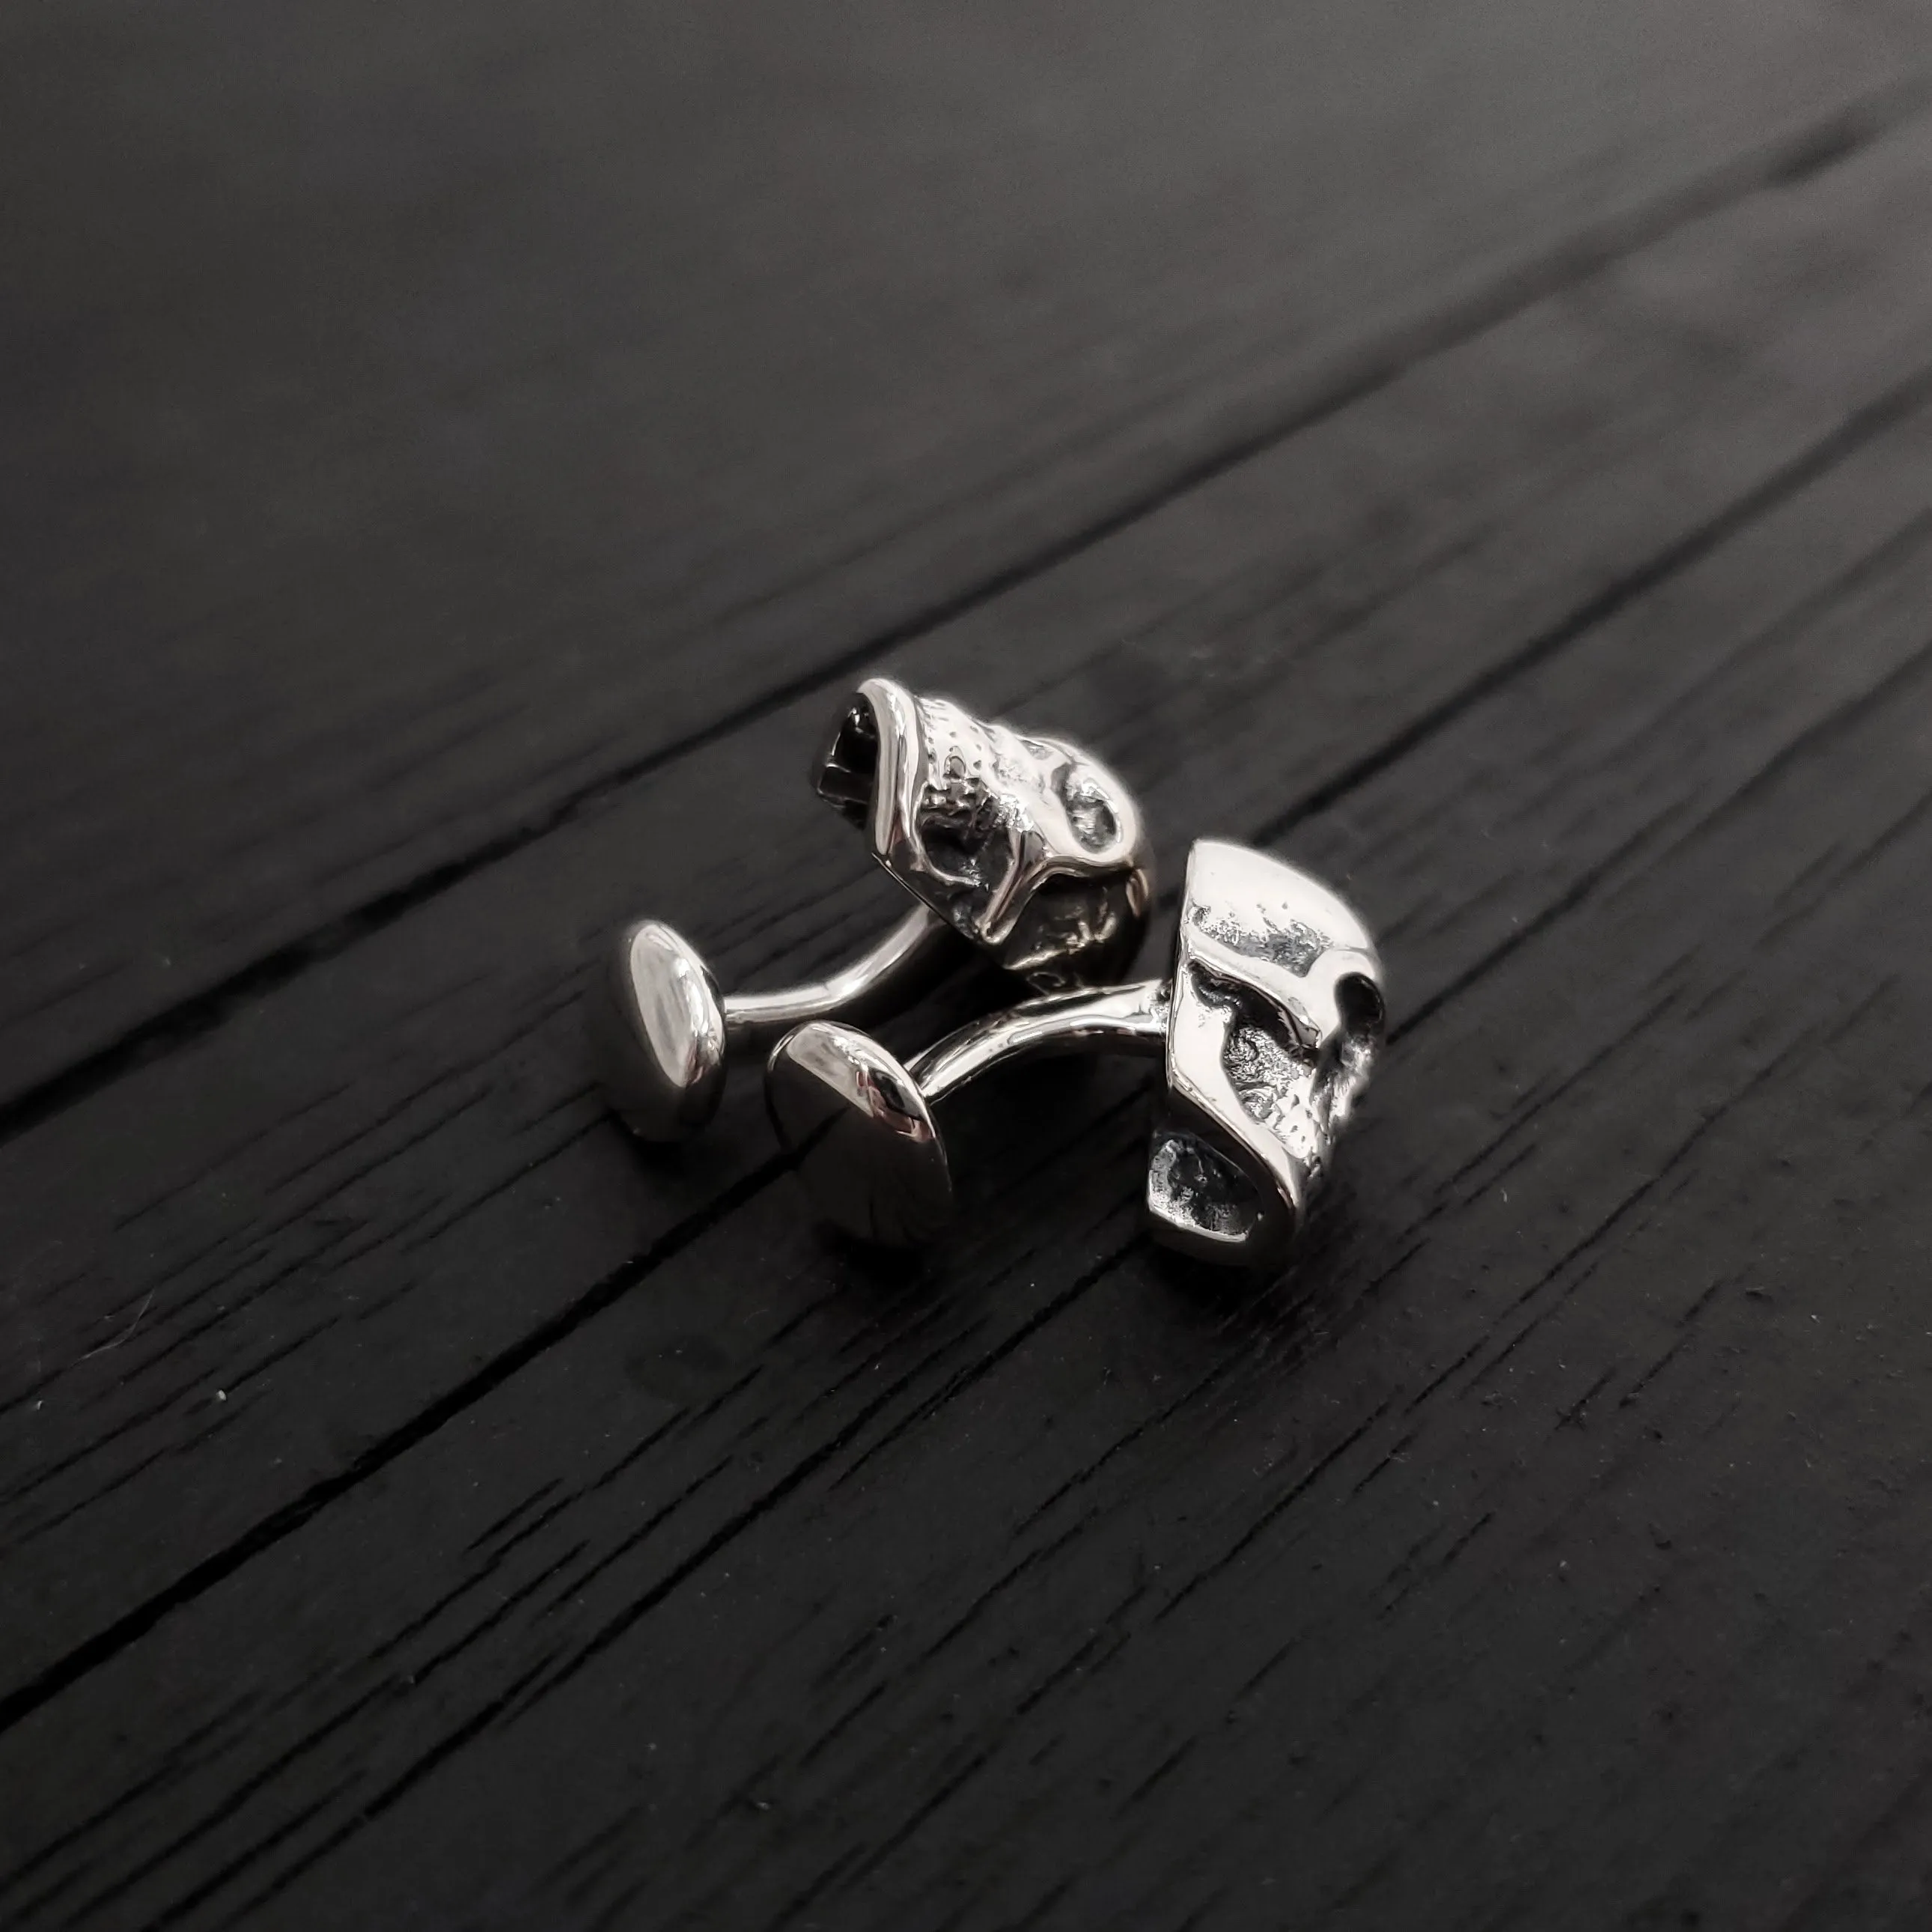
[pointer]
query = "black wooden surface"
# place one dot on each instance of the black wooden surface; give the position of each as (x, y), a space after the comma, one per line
(454, 461)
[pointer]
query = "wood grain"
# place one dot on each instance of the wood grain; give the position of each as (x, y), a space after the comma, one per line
(425, 419)
(380, 1121)
(420, 1508)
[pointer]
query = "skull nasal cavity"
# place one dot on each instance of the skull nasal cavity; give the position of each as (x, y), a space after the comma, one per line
(963, 831)
(1087, 810)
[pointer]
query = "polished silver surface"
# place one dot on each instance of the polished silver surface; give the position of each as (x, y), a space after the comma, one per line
(1031, 848)
(862, 1133)
(1276, 1018)
(663, 1033)
(1267, 1031)
(1113, 1019)
(1023, 849)
(657, 1026)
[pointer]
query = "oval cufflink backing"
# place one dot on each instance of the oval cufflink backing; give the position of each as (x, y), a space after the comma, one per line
(1022, 850)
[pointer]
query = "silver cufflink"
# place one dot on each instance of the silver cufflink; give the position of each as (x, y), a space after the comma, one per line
(1267, 1030)
(1023, 849)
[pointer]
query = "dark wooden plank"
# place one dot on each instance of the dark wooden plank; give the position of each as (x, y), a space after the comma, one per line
(999, 1483)
(912, 1587)
(419, 418)
(378, 1194)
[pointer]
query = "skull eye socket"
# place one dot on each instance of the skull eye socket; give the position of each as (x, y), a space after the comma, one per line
(962, 831)
(1272, 1068)
(1350, 1057)
(1084, 801)
(947, 852)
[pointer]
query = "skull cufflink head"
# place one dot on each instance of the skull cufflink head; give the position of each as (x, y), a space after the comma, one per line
(1023, 850)
(1268, 1030)
(1027, 846)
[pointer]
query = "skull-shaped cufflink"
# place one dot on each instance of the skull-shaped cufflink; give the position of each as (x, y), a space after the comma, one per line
(1268, 1030)
(1023, 850)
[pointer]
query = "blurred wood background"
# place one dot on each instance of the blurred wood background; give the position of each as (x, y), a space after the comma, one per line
(454, 462)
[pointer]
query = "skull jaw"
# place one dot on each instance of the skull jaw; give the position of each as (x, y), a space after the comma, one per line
(1248, 1133)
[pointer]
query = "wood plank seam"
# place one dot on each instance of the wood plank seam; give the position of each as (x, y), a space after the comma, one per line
(1858, 428)
(1826, 143)
(1817, 1036)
